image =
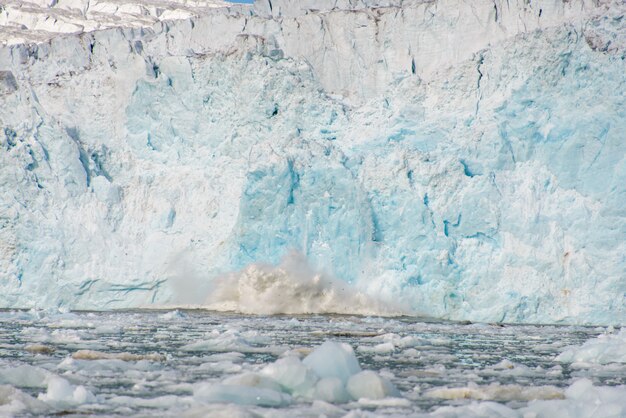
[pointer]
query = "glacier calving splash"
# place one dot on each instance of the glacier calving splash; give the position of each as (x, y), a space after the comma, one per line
(463, 160)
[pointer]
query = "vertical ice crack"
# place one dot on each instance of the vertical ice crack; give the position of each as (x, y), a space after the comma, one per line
(495, 7)
(481, 60)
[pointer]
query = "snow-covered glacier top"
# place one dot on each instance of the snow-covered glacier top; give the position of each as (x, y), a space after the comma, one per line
(40, 20)
(449, 158)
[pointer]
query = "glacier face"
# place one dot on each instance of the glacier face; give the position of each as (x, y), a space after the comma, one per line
(457, 160)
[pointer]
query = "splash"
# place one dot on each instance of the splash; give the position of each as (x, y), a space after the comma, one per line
(292, 287)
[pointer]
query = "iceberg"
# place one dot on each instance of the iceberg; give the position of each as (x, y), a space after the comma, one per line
(460, 160)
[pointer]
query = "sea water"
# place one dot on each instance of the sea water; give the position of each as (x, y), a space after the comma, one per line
(158, 363)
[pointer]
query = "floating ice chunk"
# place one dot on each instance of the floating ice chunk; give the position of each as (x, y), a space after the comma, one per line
(175, 314)
(383, 348)
(497, 392)
(333, 359)
(221, 366)
(583, 390)
(13, 401)
(510, 368)
(39, 349)
(370, 385)
(322, 375)
(331, 389)
(60, 391)
(161, 402)
(232, 340)
(606, 348)
(66, 336)
(100, 365)
(219, 411)
(327, 409)
(108, 329)
(292, 374)
(253, 380)
(407, 341)
(232, 356)
(583, 400)
(476, 410)
(99, 355)
(385, 402)
(241, 395)
(411, 353)
(25, 376)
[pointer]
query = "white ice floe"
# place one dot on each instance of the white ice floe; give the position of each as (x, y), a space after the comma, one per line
(100, 355)
(24, 375)
(62, 393)
(241, 395)
(331, 373)
(370, 385)
(497, 392)
(14, 402)
(581, 400)
(173, 315)
(231, 340)
(59, 393)
(606, 348)
(333, 359)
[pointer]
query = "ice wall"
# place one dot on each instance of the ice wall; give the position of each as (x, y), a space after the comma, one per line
(457, 159)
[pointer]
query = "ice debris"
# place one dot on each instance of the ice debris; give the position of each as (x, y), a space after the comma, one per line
(62, 393)
(331, 373)
(24, 375)
(497, 392)
(99, 355)
(606, 348)
(581, 400)
(13, 402)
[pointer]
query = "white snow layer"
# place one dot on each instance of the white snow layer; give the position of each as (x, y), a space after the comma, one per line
(40, 20)
(456, 159)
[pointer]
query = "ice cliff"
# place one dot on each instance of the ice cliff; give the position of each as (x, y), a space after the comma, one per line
(457, 159)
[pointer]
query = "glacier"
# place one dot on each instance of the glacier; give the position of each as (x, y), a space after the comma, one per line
(456, 159)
